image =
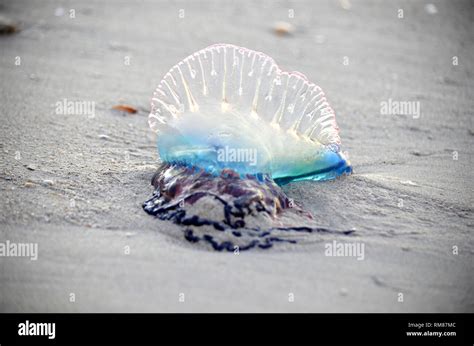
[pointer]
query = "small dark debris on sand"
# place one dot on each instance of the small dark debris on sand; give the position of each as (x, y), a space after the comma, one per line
(8, 26)
(125, 109)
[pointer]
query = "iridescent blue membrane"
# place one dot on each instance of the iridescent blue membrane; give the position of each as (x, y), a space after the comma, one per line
(327, 164)
(336, 166)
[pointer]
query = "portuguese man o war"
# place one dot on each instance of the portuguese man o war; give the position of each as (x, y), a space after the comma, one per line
(232, 127)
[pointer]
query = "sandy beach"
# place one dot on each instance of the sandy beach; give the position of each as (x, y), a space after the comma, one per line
(74, 184)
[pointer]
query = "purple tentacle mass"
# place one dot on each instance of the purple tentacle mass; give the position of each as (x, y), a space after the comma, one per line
(228, 212)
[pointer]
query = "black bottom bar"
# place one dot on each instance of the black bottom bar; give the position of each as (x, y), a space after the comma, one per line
(275, 329)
